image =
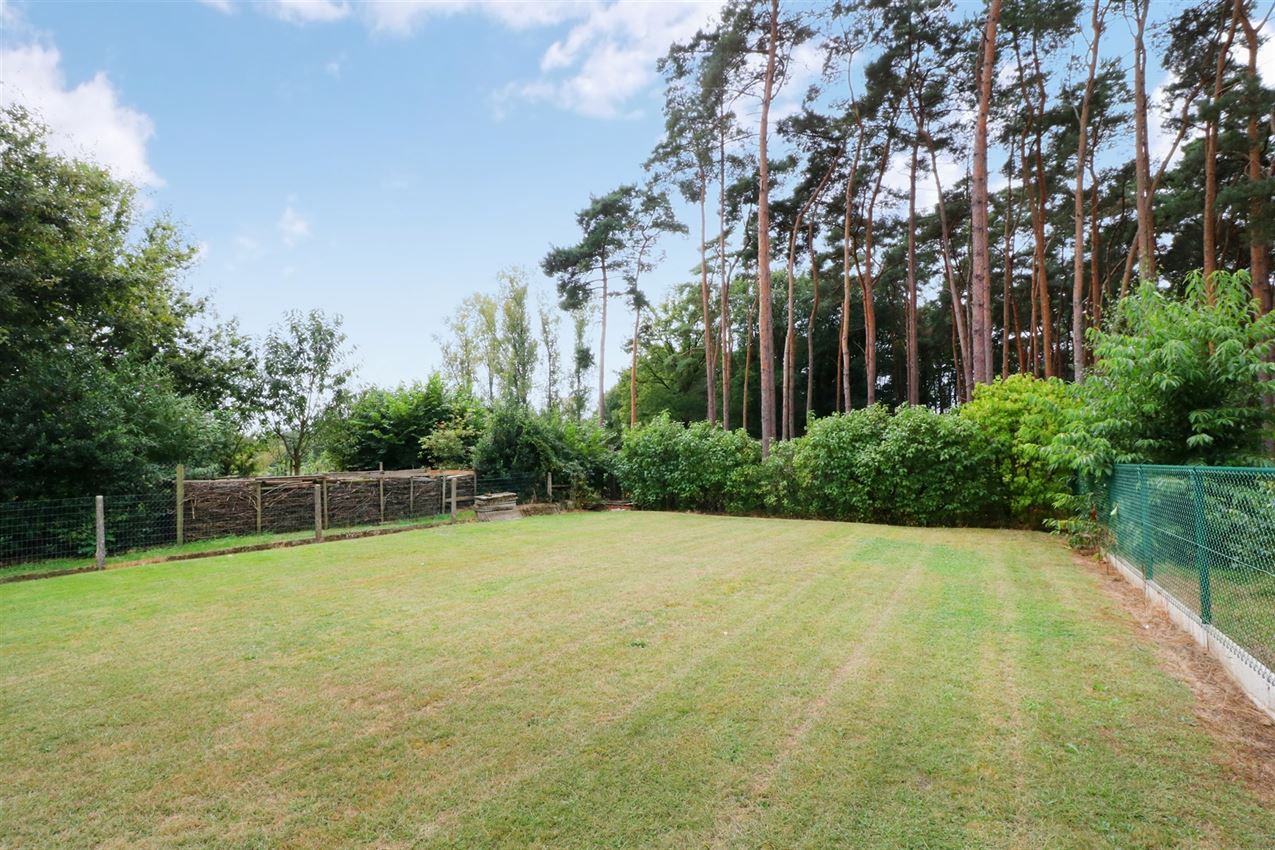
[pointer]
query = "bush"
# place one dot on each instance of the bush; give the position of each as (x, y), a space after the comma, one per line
(1020, 416)
(834, 465)
(916, 467)
(1175, 381)
(933, 469)
(664, 464)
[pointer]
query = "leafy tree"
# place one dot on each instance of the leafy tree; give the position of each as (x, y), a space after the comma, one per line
(517, 339)
(1175, 380)
(583, 270)
(389, 426)
(110, 372)
(304, 372)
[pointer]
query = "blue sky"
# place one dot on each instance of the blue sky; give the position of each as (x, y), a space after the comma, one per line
(381, 171)
(376, 159)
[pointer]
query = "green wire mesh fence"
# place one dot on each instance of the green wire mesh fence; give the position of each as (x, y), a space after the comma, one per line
(1206, 536)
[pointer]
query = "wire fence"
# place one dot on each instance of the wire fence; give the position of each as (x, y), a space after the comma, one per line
(59, 534)
(1206, 537)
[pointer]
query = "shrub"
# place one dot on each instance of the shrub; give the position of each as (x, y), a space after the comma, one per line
(933, 469)
(664, 464)
(1175, 381)
(834, 466)
(1020, 416)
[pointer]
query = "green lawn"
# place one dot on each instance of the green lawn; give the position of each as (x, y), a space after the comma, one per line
(605, 680)
(212, 544)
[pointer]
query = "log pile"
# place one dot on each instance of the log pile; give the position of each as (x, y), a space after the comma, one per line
(493, 507)
(241, 506)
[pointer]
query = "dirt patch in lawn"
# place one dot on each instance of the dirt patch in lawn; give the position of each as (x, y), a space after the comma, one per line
(1245, 731)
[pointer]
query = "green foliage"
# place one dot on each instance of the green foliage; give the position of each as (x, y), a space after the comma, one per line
(915, 468)
(392, 426)
(519, 443)
(665, 464)
(110, 372)
(303, 376)
(835, 463)
(1020, 416)
(1175, 381)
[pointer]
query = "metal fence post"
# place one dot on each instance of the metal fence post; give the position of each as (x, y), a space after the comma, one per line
(1145, 537)
(318, 512)
(1201, 553)
(99, 509)
(181, 498)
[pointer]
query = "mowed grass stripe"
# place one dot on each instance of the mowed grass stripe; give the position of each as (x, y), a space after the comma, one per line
(703, 731)
(617, 680)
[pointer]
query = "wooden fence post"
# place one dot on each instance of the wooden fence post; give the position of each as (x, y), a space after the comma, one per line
(453, 497)
(411, 497)
(549, 486)
(380, 488)
(258, 505)
(327, 514)
(181, 498)
(99, 509)
(318, 512)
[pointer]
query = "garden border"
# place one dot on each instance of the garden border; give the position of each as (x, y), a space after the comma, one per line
(1254, 678)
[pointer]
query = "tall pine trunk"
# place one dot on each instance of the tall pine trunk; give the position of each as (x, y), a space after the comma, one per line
(710, 366)
(810, 327)
(1210, 159)
(1141, 153)
(765, 323)
(953, 289)
(980, 295)
(602, 349)
(633, 417)
(913, 357)
(1082, 153)
(723, 334)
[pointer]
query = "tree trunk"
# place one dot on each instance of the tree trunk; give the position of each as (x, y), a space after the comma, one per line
(723, 334)
(1008, 260)
(810, 327)
(765, 322)
(790, 337)
(748, 358)
(710, 366)
(1141, 154)
(1082, 153)
(1259, 248)
(913, 358)
(981, 343)
(1210, 160)
(637, 316)
(954, 292)
(843, 342)
(843, 333)
(602, 350)
(867, 282)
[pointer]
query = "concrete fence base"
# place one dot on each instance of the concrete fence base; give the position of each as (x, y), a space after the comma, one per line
(1254, 678)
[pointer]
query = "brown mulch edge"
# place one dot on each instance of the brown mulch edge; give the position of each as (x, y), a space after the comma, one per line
(236, 550)
(1247, 733)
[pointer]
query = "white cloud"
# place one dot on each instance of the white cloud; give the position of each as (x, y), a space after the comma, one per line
(308, 11)
(333, 67)
(223, 6)
(293, 226)
(401, 17)
(85, 120)
(609, 57)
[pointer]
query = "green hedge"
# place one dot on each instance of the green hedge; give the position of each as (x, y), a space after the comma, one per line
(914, 467)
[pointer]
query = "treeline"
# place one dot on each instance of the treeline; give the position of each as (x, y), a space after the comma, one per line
(956, 198)
(110, 372)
